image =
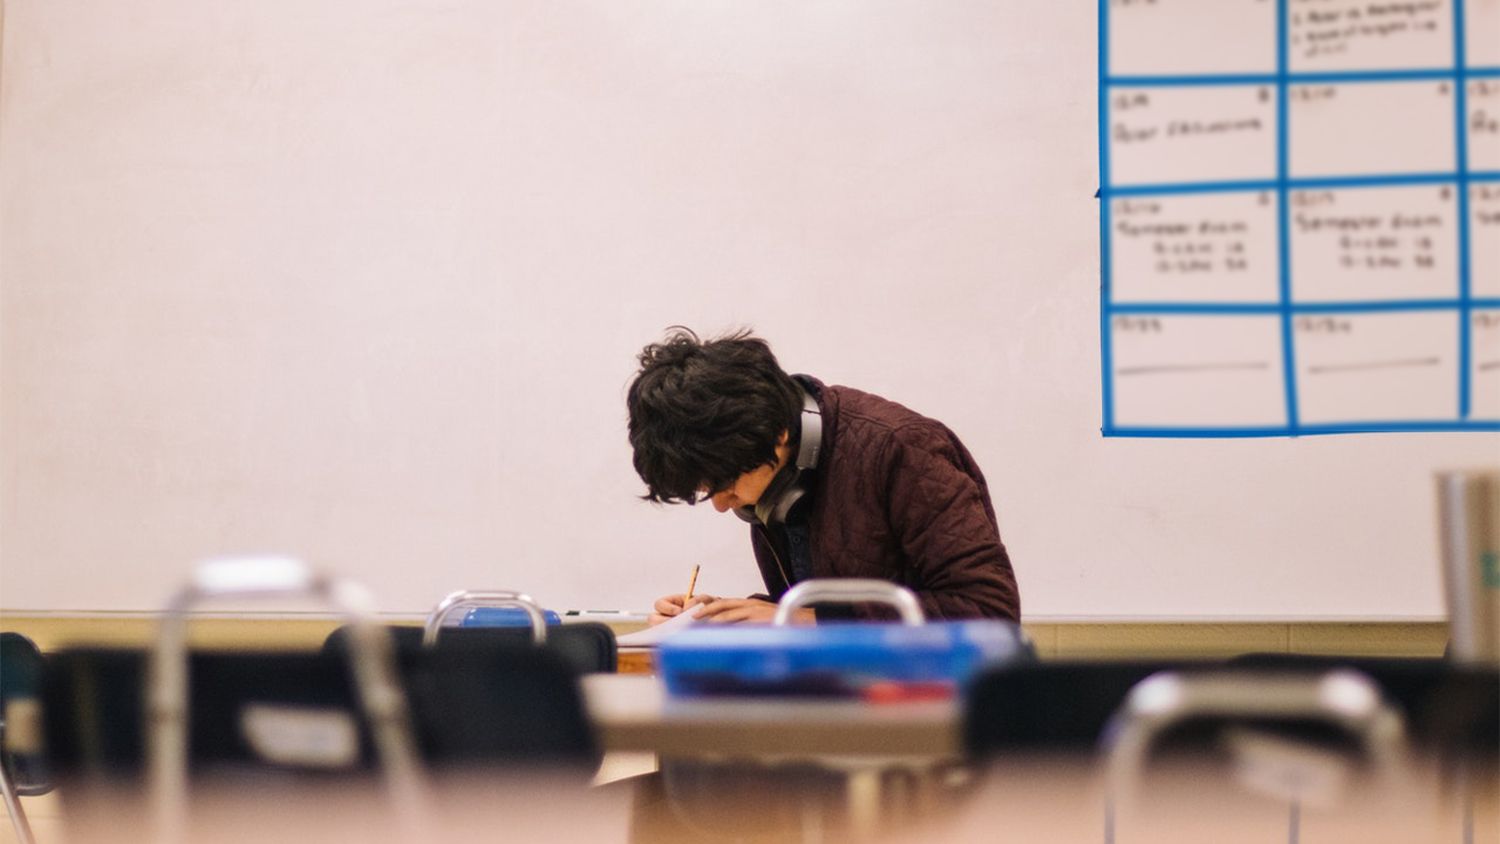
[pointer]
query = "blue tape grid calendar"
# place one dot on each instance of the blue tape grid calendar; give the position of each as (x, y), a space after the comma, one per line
(1298, 321)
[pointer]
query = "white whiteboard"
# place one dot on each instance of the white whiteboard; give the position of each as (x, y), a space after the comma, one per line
(362, 281)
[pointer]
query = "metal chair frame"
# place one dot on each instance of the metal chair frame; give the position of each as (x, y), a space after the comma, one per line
(373, 666)
(465, 599)
(850, 591)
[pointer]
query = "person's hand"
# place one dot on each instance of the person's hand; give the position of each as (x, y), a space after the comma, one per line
(735, 610)
(672, 606)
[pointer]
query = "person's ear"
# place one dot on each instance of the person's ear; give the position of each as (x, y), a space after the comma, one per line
(785, 435)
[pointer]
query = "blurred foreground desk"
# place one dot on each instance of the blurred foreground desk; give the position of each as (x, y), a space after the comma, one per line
(634, 713)
(844, 769)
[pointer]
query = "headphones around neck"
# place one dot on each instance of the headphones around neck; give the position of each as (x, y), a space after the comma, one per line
(786, 487)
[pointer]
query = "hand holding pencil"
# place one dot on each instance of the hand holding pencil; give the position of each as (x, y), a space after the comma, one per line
(674, 605)
(720, 610)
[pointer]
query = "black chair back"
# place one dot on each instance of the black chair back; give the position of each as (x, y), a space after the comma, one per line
(474, 707)
(1451, 711)
(1050, 707)
(21, 665)
(24, 771)
(589, 647)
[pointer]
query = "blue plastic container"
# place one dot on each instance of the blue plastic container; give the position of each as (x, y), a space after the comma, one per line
(838, 660)
(503, 617)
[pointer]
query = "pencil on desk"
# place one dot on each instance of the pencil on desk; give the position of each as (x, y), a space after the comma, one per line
(693, 581)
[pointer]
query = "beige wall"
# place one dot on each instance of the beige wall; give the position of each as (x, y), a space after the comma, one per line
(1052, 640)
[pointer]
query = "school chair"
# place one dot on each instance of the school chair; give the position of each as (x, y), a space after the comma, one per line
(271, 721)
(1290, 738)
(1451, 709)
(126, 720)
(23, 768)
(589, 647)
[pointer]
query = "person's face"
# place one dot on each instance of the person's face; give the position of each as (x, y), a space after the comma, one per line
(748, 488)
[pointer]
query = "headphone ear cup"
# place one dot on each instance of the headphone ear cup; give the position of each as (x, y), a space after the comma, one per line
(784, 504)
(773, 506)
(786, 488)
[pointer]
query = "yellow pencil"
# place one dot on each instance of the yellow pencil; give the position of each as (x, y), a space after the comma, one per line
(691, 583)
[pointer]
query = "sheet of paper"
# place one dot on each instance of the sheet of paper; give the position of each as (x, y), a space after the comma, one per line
(653, 636)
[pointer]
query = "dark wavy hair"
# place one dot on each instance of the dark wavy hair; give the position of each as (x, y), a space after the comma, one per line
(702, 413)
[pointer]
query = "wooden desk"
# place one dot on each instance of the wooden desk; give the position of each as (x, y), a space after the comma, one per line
(634, 713)
(636, 661)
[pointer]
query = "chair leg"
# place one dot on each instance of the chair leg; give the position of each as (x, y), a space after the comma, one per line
(13, 806)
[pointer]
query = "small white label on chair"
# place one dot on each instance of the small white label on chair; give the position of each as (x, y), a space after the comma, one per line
(302, 736)
(23, 725)
(1286, 770)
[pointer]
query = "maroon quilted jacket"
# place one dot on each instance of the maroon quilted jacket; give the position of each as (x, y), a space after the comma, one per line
(896, 496)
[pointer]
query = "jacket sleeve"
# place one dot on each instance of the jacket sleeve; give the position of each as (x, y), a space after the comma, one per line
(939, 510)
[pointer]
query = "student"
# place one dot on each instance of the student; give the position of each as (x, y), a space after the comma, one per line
(835, 482)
